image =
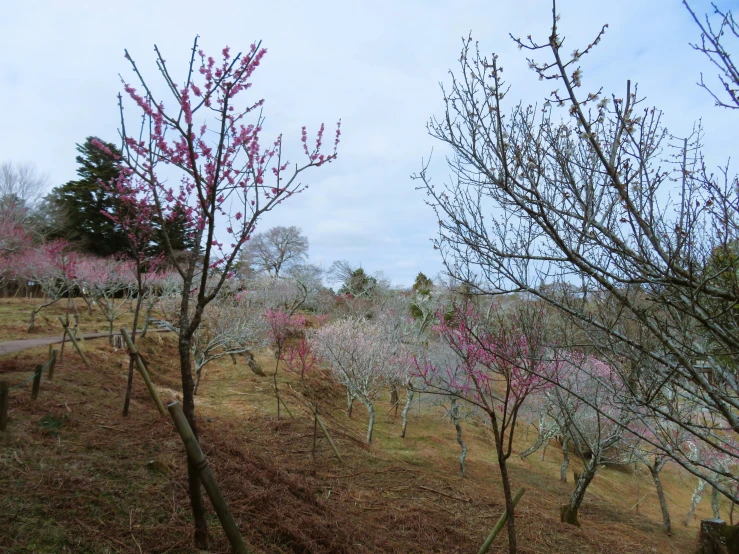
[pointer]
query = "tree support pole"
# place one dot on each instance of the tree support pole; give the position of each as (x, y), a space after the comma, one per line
(74, 341)
(142, 370)
(501, 522)
(328, 437)
(196, 455)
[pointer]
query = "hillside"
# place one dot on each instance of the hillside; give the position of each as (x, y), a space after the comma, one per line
(76, 476)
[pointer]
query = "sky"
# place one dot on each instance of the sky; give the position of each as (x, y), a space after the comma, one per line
(374, 65)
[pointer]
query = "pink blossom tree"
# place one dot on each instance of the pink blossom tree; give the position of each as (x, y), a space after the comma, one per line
(300, 359)
(14, 240)
(53, 267)
(497, 367)
(281, 327)
(135, 214)
(203, 133)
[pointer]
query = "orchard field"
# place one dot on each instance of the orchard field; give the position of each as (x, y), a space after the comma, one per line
(79, 477)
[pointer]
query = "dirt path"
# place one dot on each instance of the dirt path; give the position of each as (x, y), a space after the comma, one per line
(13, 346)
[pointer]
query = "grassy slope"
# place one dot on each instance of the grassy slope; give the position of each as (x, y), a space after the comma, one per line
(104, 483)
(15, 314)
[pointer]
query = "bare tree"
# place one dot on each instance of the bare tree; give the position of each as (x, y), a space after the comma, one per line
(598, 211)
(21, 186)
(713, 45)
(276, 249)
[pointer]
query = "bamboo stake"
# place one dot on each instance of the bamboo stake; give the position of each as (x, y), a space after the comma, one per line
(4, 397)
(207, 478)
(498, 526)
(142, 370)
(74, 341)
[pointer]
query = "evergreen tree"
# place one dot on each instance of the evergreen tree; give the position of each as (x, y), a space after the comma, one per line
(75, 210)
(423, 285)
(359, 284)
(178, 231)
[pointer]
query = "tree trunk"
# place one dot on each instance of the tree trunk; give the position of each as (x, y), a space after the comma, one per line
(568, 512)
(697, 496)
(277, 392)
(714, 503)
(541, 436)
(110, 332)
(510, 507)
(188, 407)
(463, 455)
(349, 401)
(534, 447)
(666, 524)
(129, 385)
(253, 365)
(407, 408)
(394, 397)
(371, 424)
(199, 374)
(147, 319)
(565, 461)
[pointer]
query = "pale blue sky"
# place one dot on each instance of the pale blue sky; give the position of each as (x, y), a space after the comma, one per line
(376, 65)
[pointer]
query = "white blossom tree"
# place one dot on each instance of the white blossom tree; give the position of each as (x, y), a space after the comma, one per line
(363, 356)
(228, 328)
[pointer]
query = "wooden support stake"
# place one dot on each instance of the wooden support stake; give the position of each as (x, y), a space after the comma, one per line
(61, 350)
(52, 363)
(281, 401)
(4, 398)
(328, 437)
(36, 381)
(320, 422)
(498, 526)
(207, 478)
(142, 370)
(74, 342)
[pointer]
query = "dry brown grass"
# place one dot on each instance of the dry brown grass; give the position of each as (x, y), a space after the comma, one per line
(100, 482)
